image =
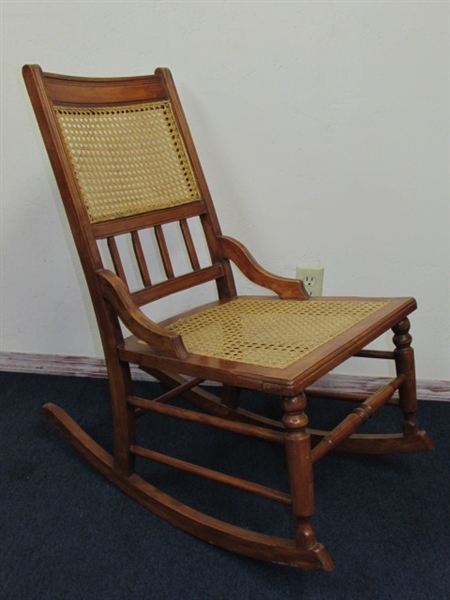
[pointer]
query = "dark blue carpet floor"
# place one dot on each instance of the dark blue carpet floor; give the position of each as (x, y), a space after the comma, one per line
(67, 533)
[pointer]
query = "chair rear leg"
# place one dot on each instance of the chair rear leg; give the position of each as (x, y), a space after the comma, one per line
(404, 362)
(230, 396)
(124, 418)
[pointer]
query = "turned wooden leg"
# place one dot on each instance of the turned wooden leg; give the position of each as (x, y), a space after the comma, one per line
(298, 453)
(404, 361)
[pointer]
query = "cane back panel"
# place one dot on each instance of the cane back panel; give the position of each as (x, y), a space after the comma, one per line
(128, 160)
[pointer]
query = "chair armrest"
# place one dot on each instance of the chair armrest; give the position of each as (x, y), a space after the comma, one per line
(284, 287)
(161, 340)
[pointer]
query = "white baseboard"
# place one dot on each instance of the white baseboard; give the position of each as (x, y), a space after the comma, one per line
(80, 366)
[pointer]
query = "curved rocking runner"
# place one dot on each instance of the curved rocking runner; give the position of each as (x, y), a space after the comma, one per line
(214, 531)
(133, 187)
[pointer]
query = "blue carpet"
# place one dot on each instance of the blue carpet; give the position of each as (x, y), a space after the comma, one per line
(67, 533)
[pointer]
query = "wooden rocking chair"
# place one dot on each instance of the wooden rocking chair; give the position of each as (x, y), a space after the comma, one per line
(129, 176)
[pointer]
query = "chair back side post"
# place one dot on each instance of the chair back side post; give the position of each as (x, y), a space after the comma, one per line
(85, 242)
(225, 285)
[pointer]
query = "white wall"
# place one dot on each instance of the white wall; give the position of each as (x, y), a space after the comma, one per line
(322, 127)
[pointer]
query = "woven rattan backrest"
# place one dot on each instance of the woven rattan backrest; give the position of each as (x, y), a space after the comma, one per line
(128, 160)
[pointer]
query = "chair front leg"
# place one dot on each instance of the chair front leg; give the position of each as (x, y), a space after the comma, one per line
(298, 454)
(404, 362)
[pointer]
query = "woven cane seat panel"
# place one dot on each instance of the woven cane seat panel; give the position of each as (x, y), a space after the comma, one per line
(128, 160)
(269, 333)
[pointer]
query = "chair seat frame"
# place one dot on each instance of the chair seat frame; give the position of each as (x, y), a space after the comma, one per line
(158, 350)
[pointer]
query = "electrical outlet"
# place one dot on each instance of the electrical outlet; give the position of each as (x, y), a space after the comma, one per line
(312, 278)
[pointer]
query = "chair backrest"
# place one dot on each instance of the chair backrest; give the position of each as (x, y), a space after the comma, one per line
(128, 171)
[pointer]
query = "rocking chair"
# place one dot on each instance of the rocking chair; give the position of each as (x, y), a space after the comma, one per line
(131, 181)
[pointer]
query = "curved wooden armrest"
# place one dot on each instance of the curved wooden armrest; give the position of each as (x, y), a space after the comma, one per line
(284, 287)
(161, 340)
